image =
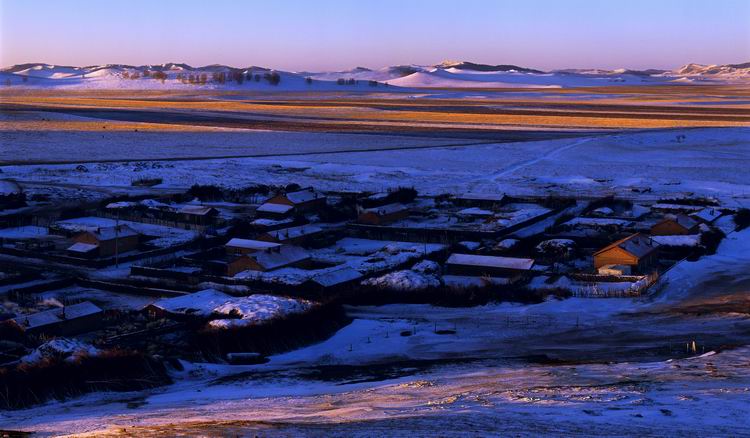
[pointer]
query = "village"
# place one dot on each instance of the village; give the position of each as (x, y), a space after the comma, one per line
(233, 276)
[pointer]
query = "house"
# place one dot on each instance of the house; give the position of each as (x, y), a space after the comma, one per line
(104, 242)
(678, 224)
(66, 320)
(238, 246)
(198, 214)
(269, 259)
(274, 211)
(707, 215)
(199, 304)
(487, 266)
(637, 251)
(383, 215)
(294, 235)
(303, 201)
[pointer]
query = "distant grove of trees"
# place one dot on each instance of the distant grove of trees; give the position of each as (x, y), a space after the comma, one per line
(219, 77)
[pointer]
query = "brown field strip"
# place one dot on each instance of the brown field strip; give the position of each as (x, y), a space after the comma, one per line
(655, 107)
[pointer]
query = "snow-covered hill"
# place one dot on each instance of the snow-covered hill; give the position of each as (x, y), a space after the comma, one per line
(448, 74)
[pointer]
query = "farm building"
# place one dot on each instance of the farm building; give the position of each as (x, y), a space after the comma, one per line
(383, 215)
(105, 241)
(637, 251)
(678, 224)
(268, 259)
(303, 201)
(198, 214)
(67, 320)
(707, 215)
(274, 211)
(488, 266)
(482, 200)
(199, 304)
(293, 235)
(238, 246)
(333, 280)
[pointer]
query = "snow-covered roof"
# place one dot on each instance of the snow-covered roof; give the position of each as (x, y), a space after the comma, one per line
(491, 261)
(636, 244)
(707, 215)
(683, 220)
(482, 196)
(387, 209)
(281, 256)
(302, 196)
(475, 211)
(605, 211)
(82, 247)
(680, 207)
(332, 278)
(682, 240)
(201, 303)
(596, 221)
(251, 244)
(56, 315)
(274, 208)
(110, 233)
(292, 232)
(121, 204)
(198, 210)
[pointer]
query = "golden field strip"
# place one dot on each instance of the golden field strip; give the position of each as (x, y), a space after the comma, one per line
(621, 107)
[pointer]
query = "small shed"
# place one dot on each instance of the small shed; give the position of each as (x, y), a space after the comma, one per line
(679, 224)
(707, 215)
(198, 214)
(637, 251)
(333, 280)
(199, 304)
(384, 214)
(66, 320)
(489, 266)
(482, 200)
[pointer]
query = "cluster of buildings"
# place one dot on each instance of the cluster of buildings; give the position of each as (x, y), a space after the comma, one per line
(300, 247)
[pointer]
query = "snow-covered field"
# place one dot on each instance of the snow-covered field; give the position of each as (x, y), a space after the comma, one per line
(647, 164)
(66, 145)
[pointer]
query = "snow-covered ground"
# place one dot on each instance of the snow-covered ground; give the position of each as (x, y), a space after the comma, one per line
(708, 162)
(65, 145)
(609, 367)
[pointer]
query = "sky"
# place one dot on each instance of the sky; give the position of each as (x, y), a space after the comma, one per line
(316, 35)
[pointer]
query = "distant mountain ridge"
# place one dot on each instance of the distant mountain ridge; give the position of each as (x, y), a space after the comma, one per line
(447, 74)
(465, 65)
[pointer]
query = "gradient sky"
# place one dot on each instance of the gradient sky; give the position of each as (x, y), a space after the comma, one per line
(340, 34)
